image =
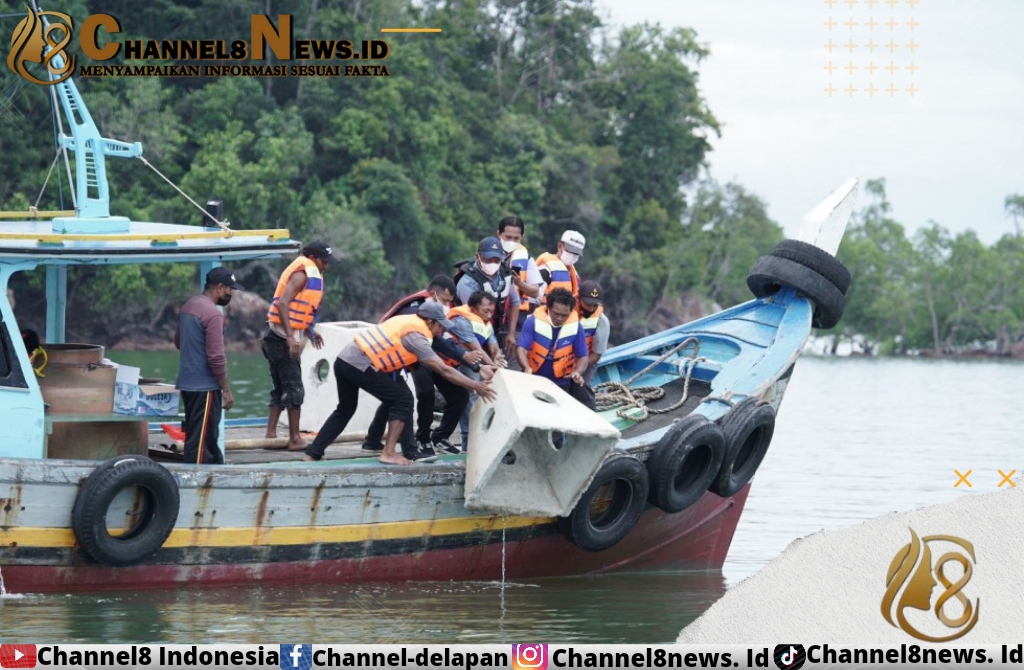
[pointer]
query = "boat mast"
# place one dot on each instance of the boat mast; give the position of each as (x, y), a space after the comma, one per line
(92, 206)
(92, 194)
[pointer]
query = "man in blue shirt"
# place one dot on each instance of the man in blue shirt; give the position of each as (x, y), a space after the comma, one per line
(554, 345)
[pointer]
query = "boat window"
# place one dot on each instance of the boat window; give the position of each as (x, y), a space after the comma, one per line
(10, 369)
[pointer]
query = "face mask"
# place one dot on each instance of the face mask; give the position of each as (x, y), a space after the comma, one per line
(433, 296)
(490, 269)
(224, 300)
(569, 258)
(509, 246)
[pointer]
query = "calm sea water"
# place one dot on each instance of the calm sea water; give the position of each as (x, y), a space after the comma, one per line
(855, 439)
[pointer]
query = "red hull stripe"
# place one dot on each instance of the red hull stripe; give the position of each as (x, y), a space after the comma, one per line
(697, 538)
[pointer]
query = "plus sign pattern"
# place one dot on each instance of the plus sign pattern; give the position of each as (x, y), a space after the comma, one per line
(296, 657)
(871, 48)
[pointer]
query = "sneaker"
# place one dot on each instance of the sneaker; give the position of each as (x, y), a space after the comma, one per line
(445, 447)
(424, 455)
(370, 446)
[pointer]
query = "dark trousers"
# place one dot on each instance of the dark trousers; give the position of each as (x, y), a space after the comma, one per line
(375, 433)
(394, 397)
(584, 394)
(201, 426)
(285, 372)
(455, 400)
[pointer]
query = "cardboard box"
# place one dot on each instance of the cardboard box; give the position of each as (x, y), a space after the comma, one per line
(130, 397)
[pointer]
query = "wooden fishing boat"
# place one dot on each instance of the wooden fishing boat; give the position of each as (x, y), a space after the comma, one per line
(668, 495)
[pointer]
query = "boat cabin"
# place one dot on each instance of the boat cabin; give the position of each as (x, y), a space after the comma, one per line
(89, 235)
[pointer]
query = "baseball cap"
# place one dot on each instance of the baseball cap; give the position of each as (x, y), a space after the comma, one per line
(223, 276)
(490, 249)
(320, 249)
(590, 292)
(435, 312)
(574, 241)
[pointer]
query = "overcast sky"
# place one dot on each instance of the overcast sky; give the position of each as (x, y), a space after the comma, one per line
(950, 153)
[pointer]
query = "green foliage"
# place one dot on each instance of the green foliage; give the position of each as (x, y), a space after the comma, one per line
(525, 107)
(937, 292)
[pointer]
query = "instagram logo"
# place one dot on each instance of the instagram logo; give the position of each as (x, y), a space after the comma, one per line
(529, 656)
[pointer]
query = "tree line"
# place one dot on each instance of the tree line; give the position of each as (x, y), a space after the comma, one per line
(525, 107)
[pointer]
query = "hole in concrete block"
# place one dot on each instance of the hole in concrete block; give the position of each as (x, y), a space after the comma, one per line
(488, 419)
(545, 397)
(322, 369)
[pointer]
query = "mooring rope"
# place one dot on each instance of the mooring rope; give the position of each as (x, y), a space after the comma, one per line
(628, 399)
(223, 225)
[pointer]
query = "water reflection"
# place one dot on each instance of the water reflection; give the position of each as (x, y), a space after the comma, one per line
(634, 608)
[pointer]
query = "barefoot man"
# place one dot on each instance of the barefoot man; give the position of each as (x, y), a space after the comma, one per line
(367, 363)
(300, 288)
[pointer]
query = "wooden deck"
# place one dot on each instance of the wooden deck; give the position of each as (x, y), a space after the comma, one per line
(160, 441)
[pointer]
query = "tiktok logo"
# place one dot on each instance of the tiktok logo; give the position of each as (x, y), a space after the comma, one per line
(790, 656)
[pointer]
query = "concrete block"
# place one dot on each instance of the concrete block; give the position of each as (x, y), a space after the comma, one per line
(543, 480)
(318, 379)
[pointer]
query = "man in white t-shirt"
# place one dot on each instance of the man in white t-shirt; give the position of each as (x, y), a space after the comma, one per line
(525, 276)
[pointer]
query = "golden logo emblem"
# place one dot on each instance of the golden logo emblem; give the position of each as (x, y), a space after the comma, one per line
(29, 45)
(912, 577)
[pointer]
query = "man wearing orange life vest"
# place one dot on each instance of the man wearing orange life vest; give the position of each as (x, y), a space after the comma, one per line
(553, 344)
(475, 316)
(558, 269)
(525, 275)
(367, 363)
(301, 289)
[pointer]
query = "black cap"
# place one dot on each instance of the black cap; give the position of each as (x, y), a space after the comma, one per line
(223, 277)
(490, 249)
(320, 249)
(590, 292)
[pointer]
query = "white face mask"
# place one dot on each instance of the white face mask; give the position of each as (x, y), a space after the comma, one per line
(490, 269)
(569, 258)
(509, 246)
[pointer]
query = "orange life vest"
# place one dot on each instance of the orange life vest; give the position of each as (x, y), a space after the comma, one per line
(302, 310)
(519, 260)
(382, 344)
(483, 330)
(589, 324)
(560, 351)
(562, 275)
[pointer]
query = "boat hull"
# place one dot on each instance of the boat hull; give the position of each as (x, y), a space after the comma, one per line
(486, 548)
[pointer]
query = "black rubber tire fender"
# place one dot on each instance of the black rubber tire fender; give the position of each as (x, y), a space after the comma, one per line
(748, 430)
(625, 479)
(685, 462)
(159, 500)
(771, 272)
(819, 260)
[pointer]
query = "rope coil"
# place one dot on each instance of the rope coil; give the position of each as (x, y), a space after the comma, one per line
(632, 401)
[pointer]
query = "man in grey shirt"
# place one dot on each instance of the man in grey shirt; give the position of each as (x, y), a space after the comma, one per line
(595, 325)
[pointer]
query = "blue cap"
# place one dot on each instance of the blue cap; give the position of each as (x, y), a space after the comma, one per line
(490, 249)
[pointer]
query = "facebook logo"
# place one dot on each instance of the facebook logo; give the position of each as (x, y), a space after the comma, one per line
(296, 656)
